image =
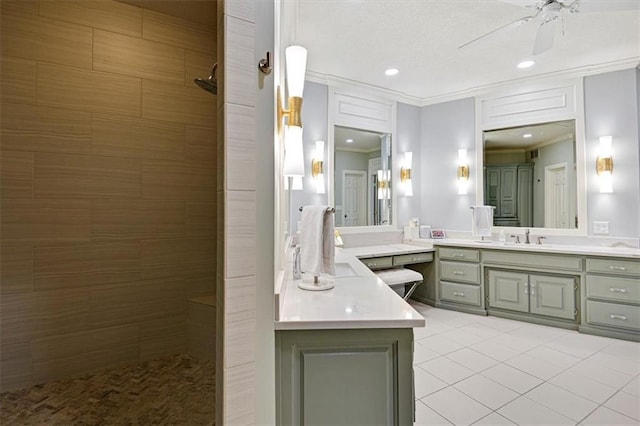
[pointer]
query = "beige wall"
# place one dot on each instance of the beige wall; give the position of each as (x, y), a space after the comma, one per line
(108, 192)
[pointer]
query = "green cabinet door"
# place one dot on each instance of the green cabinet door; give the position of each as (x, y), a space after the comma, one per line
(552, 296)
(508, 290)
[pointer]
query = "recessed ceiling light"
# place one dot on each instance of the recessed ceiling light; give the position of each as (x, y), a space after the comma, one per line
(527, 135)
(349, 141)
(526, 64)
(392, 71)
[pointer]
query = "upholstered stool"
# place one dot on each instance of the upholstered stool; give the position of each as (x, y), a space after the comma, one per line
(398, 278)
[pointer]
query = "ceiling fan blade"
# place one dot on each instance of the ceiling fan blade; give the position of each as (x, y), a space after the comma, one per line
(503, 28)
(586, 6)
(544, 37)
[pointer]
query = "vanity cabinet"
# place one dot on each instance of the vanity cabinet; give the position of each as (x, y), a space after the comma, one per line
(459, 279)
(536, 285)
(613, 297)
(552, 296)
(354, 377)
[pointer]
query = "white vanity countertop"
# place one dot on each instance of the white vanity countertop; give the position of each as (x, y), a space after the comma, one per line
(362, 301)
(386, 250)
(588, 250)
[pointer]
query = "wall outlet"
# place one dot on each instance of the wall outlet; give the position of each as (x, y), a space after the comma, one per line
(600, 228)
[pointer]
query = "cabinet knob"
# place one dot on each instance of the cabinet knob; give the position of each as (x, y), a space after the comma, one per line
(458, 293)
(459, 273)
(617, 290)
(526, 288)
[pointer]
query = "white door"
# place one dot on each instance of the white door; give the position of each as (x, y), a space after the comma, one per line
(354, 197)
(556, 196)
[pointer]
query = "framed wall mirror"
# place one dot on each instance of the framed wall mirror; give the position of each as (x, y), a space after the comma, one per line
(530, 175)
(362, 185)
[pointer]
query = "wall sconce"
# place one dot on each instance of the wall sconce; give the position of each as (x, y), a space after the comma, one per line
(384, 184)
(604, 165)
(463, 172)
(317, 167)
(405, 174)
(296, 64)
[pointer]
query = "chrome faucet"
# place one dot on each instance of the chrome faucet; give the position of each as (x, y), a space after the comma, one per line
(517, 237)
(526, 241)
(540, 238)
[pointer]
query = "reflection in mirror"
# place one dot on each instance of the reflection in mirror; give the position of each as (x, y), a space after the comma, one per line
(362, 177)
(530, 175)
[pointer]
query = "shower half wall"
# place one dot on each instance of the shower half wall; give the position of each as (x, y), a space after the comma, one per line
(108, 186)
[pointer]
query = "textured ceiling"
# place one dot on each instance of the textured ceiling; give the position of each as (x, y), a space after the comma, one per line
(358, 39)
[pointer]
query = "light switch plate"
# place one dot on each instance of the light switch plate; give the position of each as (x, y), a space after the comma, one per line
(600, 228)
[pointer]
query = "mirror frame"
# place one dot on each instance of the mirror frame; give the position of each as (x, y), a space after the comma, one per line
(565, 102)
(344, 111)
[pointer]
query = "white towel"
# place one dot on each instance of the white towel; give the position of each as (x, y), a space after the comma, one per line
(317, 241)
(482, 221)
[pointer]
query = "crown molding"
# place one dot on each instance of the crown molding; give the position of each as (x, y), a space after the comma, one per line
(353, 85)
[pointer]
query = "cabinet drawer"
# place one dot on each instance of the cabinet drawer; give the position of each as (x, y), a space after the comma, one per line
(460, 293)
(378, 262)
(613, 288)
(459, 254)
(544, 261)
(407, 259)
(614, 266)
(459, 271)
(611, 314)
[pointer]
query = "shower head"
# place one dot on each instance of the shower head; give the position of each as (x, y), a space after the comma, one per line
(210, 84)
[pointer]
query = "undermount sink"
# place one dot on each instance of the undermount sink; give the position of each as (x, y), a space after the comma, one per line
(344, 270)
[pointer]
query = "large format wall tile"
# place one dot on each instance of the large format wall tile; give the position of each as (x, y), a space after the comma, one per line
(200, 145)
(107, 15)
(240, 65)
(16, 268)
(19, 7)
(45, 129)
(178, 32)
(26, 316)
(136, 219)
(15, 366)
(240, 238)
(197, 65)
(133, 56)
(137, 138)
(135, 301)
(240, 150)
(201, 330)
(42, 39)
(164, 336)
(18, 80)
(17, 174)
(200, 219)
(178, 257)
(177, 103)
(85, 265)
(86, 90)
(46, 221)
(240, 321)
(177, 180)
(83, 176)
(81, 353)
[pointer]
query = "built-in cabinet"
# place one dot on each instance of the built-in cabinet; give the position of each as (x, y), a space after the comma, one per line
(613, 297)
(594, 294)
(347, 377)
(460, 282)
(552, 296)
(509, 188)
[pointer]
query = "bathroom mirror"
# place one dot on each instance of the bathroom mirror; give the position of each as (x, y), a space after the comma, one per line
(530, 175)
(362, 177)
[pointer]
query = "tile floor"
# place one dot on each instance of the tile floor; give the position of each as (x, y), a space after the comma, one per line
(479, 370)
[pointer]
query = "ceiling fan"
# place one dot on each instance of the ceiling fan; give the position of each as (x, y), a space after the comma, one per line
(550, 12)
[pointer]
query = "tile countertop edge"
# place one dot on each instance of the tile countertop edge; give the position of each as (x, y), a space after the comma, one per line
(366, 291)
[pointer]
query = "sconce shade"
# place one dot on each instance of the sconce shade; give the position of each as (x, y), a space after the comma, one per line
(384, 191)
(296, 57)
(604, 165)
(293, 156)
